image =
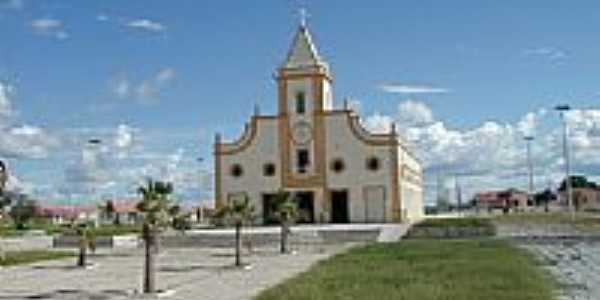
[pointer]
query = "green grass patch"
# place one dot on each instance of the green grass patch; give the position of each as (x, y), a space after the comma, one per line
(423, 270)
(27, 257)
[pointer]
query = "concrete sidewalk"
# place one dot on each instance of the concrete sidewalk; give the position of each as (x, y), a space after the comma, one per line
(192, 274)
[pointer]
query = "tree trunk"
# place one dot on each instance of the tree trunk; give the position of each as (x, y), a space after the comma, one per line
(284, 237)
(82, 259)
(238, 243)
(149, 265)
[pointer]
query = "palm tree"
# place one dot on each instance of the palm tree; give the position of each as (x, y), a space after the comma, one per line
(86, 240)
(238, 211)
(287, 213)
(155, 206)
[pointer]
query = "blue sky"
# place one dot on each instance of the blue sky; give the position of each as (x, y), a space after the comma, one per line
(155, 79)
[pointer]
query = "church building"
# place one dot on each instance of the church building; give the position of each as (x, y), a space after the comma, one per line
(338, 171)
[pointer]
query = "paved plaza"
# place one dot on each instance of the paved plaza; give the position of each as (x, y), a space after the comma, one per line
(190, 273)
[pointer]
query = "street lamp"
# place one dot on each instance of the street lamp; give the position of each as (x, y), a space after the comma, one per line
(563, 109)
(530, 139)
(200, 211)
(94, 142)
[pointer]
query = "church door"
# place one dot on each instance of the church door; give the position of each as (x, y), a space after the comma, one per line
(339, 207)
(374, 204)
(305, 201)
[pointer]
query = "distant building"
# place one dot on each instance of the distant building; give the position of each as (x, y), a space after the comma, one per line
(584, 199)
(120, 212)
(511, 199)
(338, 170)
(59, 214)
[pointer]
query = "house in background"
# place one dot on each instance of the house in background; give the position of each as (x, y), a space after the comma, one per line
(119, 212)
(506, 199)
(584, 198)
(62, 214)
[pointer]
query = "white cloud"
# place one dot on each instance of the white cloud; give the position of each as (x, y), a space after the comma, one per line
(124, 137)
(414, 113)
(49, 27)
(124, 141)
(26, 142)
(492, 155)
(549, 53)
(5, 103)
(23, 141)
(102, 18)
(379, 123)
(146, 24)
(165, 75)
(121, 87)
(527, 126)
(412, 89)
(146, 92)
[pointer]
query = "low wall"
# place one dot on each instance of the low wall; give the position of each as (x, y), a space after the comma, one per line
(449, 232)
(26, 243)
(296, 238)
(227, 239)
(71, 241)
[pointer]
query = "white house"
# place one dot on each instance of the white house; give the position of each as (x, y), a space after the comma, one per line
(339, 171)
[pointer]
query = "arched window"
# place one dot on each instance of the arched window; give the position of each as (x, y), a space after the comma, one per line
(373, 164)
(237, 170)
(300, 103)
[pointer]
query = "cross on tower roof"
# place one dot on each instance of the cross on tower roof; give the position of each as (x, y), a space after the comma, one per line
(303, 12)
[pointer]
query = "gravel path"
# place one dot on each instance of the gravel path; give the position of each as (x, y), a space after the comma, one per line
(575, 263)
(190, 273)
(572, 256)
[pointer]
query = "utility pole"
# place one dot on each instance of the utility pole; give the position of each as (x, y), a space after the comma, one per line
(458, 195)
(563, 109)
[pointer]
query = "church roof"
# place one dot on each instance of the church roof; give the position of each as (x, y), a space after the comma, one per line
(303, 52)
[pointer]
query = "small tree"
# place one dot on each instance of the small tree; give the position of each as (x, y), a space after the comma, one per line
(238, 212)
(23, 211)
(155, 206)
(287, 213)
(87, 240)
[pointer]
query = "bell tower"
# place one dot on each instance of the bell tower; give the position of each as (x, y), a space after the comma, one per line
(305, 94)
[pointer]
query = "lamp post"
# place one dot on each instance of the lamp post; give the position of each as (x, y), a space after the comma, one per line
(530, 139)
(200, 211)
(94, 143)
(563, 109)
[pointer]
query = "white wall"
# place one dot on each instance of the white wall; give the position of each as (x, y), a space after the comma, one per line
(263, 149)
(342, 143)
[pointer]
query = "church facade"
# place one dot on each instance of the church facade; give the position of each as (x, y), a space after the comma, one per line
(338, 171)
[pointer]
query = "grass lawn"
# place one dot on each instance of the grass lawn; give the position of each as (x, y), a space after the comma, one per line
(422, 270)
(26, 257)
